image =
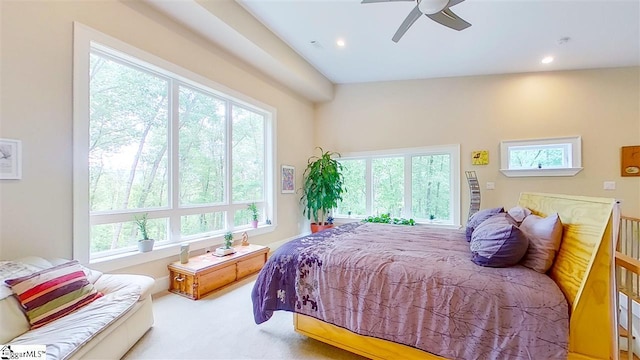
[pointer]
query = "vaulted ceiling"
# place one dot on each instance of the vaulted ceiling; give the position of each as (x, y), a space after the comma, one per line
(294, 41)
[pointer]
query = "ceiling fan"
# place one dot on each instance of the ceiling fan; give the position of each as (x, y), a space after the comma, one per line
(437, 10)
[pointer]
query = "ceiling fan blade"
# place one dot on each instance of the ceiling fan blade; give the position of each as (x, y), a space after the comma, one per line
(447, 18)
(379, 1)
(406, 24)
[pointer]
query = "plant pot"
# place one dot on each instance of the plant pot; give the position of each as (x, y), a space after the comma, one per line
(254, 223)
(145, 245)
(315, 227)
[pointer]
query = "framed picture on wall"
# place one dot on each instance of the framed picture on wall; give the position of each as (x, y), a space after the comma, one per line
(10, 159)
(288, 179)
(630, 161)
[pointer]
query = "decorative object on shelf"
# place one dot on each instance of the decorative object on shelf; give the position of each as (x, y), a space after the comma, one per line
(254, 214)
(288, 177)
(245, 239)
(145, 244)
(630, 161)
(184, 253)
(226, 249)
(474, 192)
(322, 188)
(10, 159)
(480, 157)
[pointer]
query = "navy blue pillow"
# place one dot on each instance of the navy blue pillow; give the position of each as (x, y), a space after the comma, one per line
(477, 219)
(498, 242)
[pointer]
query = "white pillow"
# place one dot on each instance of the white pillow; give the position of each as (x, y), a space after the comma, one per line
(518, 213)
(545, 235)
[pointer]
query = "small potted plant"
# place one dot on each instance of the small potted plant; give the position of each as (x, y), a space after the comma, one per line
(254, 214)
(227, 248)
(145, 244)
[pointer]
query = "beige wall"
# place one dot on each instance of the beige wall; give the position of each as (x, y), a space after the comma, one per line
(602, 106)
(36, 107)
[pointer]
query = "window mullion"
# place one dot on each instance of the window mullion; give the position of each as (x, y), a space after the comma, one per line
(174, 165)
(407, 206)
(228, 159)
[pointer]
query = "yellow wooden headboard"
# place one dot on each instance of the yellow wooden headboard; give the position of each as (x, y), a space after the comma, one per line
(582, 266)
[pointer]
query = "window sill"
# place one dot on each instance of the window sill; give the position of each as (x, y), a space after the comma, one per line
(432, 223)
(541, 172)
(134, 257)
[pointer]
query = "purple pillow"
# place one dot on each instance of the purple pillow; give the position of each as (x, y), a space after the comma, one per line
(477, 219)
(498, 242)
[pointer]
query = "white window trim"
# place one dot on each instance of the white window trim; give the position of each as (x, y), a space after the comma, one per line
(453, 150)
(84, 36)
(576, 157)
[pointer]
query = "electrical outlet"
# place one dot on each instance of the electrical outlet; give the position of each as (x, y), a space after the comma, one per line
(491, 185)
(609, 185)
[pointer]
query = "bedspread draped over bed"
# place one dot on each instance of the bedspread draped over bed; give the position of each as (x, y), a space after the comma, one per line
(416, 286)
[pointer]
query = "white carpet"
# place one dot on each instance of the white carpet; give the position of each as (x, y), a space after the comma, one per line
(221, 326)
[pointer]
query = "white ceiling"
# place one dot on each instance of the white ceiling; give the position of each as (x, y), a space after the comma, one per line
(506, 36)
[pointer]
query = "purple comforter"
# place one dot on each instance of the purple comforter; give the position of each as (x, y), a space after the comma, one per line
(416, 286)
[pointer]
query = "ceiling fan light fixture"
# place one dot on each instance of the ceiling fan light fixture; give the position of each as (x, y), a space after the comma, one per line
(430, 7)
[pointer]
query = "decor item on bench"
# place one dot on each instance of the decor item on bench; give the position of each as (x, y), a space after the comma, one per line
(145, 244)
(254, 214)
(184, 253)
(245, 239)
(387, 292)
(104, 328)
(322, 188)
(227, 249)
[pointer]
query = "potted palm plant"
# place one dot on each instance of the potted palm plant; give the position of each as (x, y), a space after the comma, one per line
(322, 188)
(145, 244)
(254, 214)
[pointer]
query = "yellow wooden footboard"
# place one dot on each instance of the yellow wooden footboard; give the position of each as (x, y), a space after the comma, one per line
(582, 270)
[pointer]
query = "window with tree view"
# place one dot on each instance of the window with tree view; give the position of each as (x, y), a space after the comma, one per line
(541, 157)
(418, 183)
(188, 156)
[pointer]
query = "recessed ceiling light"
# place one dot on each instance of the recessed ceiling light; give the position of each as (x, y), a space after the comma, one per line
(547, 60)
(340, 43)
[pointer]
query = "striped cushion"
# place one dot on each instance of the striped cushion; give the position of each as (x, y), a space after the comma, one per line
(52, 293)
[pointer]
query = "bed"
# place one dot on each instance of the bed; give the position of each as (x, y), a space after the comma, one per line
(378, 299)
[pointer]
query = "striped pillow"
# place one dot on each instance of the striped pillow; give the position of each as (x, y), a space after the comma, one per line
(52, 293)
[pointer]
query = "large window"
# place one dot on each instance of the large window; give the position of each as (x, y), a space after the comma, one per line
(419, 183)
(161, 141)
